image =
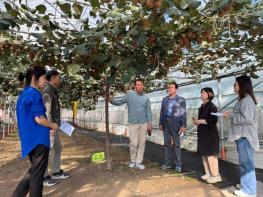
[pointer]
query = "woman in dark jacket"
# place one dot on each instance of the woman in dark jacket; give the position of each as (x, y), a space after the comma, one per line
(208, 138)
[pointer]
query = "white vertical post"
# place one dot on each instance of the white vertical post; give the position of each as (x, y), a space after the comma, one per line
(4, 119)
(8, 117)
(112, 122)
(125, 121)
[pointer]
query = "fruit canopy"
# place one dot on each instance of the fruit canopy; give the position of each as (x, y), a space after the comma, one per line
(122, 39)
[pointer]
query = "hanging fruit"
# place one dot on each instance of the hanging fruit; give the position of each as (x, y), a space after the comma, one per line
(153, 4)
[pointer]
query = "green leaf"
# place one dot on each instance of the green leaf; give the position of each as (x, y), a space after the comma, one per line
(82, 49)
(41, 9)
(243, 1)
(183, 4)
(29, 17)
(6, 23)
(95, 3)
(218, 5)
(73, 68)
(77, 9)
(66, 8)
(10, 10)
(44, 21)
(113, 62)
(224, 3)
(141, 39)
(259, 13)
(39, 36)
(190, 3)
(87, 76)
(193, 3)
(132, 70)
(170, 27)
(49, 35)
(93, 14)
(254, 75)
(259, 49)
(121, 4)
(126, 78)
(25, 7)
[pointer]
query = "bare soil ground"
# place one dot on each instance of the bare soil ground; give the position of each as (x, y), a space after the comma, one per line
(89, 179)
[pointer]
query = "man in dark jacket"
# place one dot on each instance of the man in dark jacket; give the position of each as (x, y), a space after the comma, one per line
(173, 123)
(51, 101)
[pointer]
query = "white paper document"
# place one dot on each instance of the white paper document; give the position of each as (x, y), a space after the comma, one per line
(66, 128)
(51, 141)
(219, 114)
(181, 134)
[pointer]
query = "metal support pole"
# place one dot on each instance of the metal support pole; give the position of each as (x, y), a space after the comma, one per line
(221, 121)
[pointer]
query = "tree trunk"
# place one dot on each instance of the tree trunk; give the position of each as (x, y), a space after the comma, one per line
(107, 139)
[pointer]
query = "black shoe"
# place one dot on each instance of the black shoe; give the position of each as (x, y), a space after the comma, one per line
(238, 186)
(178, 169)
(48, 181)
(165, 167)
(60, 175)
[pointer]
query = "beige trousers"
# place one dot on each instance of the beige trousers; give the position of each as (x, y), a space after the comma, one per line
(211, 165)
(137, 134)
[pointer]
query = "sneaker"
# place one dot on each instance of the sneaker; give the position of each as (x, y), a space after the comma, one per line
(131, 164)
(214, 179)
(205, 177)
(48, 181)
(242, 194)
(165, 167)
(140, 166)
(60, 175)
(238, 186)
(177, 169)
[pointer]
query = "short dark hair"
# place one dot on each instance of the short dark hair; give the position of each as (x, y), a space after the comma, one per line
(173, 83)
(36, 71)
(51, 73)
(245, 87)
(139, 79)
(210, 92)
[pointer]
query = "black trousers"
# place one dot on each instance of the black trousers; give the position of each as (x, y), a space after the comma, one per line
(32, 181)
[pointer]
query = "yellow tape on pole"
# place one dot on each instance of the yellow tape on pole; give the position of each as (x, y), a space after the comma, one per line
(75, 108)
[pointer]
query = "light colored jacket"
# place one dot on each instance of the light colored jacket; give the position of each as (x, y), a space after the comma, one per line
(244, 122)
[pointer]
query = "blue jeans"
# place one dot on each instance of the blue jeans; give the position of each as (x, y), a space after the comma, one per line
(246, 165)
(169, 149)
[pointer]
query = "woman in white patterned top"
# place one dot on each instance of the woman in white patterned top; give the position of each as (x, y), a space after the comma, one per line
(244, 133)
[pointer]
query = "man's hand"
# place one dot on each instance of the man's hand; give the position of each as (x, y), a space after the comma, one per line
(195, 122)
(161, 127)
(110, 98)
(226, 114)
(54, 126)
(149, 126)
(182, 130)
(149, 129)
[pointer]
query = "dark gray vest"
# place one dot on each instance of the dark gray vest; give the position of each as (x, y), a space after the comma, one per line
(55, 106)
